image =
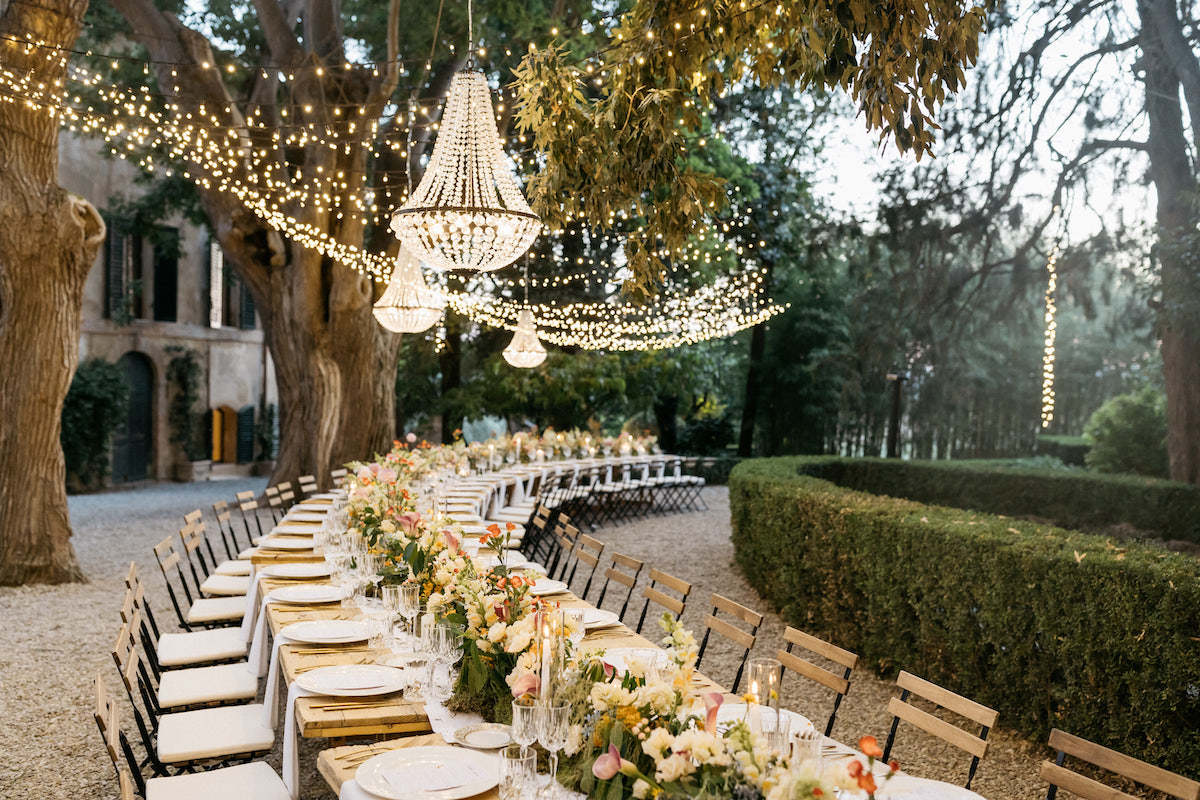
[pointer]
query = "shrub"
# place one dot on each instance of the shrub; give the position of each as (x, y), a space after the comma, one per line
(1065, 497)
(1070, 450)
(184, 373)
(94, 408)
(1053, 628)
(1129, 434)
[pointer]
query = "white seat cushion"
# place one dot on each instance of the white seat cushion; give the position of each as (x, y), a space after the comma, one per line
(254, 781)
(239, 567)
(225, 585)
(510, 515)
(216, 684)
(213, 732)
(198, 647)
(217, 609)
(247, 554)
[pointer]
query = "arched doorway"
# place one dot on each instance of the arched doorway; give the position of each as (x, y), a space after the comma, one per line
(133, 442)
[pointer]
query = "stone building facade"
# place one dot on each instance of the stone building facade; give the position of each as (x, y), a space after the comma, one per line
(150, 299)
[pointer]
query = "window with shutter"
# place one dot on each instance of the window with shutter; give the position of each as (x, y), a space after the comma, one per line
(166, 283)
(116, 258)
(245, 435)
(246, 310)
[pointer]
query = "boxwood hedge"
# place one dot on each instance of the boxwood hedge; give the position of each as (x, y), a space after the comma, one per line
(1068, 498)
(1051, 627)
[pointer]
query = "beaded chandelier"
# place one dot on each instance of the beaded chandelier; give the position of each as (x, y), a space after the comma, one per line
(525, 351)
(468, 211)
(408, 305)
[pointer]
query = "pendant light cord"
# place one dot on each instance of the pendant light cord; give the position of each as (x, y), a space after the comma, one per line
(470, 33)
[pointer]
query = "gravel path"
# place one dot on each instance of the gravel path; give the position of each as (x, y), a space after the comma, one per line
(56, 638)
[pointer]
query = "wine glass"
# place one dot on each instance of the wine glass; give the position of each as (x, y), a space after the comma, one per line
(410, 605)
(573, 622)
(553, 726)
(524, 722)
(518, 772)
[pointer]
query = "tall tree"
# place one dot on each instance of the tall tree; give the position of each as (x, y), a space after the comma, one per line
(48, 241)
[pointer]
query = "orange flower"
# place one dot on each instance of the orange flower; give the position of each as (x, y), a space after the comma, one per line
(869, 746)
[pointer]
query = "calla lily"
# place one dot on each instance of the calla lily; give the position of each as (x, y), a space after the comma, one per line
(526, 684)
(409, 521)
(451, 541)
(712, 702)
(609, 764)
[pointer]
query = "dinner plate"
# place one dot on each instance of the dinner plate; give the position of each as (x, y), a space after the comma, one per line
(512, 560)
(302, 570)
(485, 736)
(621, 657)
(906, 787)
(319, 508)
(546, 586)
(286, 543)
(729, 713)
(304, 516)
(400, 660)
(352, 680)
(294, 529)
(598, 618)
(429, 773)
(327, 495)
(326, 631)
(305, 593)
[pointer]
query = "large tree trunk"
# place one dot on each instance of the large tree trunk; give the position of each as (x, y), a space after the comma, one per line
(335, 368)
(48, 241)
(1174, 183)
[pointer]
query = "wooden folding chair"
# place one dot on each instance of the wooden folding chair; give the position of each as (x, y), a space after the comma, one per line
(1057, 775)
(566, 535)
(838, 684)
(653, 594)
(588, 550)
(744, 639)
(622, 578)
(308, 484)
(248, 503)
(900, 709)
(205, 612)
(339, 476)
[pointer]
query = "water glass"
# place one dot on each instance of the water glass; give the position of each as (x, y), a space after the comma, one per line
(573, 621)
(518, 772)
(806, 746)
(553, 729)
(410, 604)
(774, 724)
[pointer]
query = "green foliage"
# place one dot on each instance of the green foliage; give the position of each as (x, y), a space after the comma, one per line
(1129, 434)
(618, 147)
(184, 375)
(1070, 498)
(94, 409)
(1053, 628)
(1070, 450)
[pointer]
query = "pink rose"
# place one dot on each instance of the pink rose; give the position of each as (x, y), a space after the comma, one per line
(363, 473)
(712, 702)
(526, 684)
(387, 475)
(410, 438)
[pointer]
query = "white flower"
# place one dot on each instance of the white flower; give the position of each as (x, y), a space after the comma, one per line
(640, 789)
(657, 743)
(574, 740)
(659, 696)
(496, 632)
(673, 768)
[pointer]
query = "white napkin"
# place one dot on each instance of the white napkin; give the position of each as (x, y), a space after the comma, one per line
(291, 763)
(251, 615)
(432, 777)
(271, 691)
(256, 662)
(446, 722)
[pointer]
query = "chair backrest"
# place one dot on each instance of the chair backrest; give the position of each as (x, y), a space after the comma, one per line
(1058, 775)
(628, 580)
(901, 709)
(285, 486)
(565, 534)
(225, 528)
(247, 502)
(194, 544)
(839, 684)
(192, 517)
(308, 484)
(714, 624)
(339, 475)
(108, 719)
(135, 595)
(588, 550)
(134, 675)
(169, 561)
(654, 594)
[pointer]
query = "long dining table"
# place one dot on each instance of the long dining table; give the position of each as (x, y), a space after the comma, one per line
(393, 722)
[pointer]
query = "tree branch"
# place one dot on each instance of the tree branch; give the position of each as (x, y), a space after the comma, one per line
(392, 79)
(1179, 55)
(278, 33)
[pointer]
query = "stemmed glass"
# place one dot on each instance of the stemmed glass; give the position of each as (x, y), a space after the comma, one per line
(410, 605)
(518, 772)
(524, 722)
(553, 726)
(391, 604)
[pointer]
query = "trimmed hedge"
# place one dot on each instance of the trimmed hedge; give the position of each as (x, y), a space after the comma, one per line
(1067, 498)
(1053, 628)
(1071, 450)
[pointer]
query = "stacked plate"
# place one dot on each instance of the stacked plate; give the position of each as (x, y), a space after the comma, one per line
(305, 594)
(326, 631)
(286, 542)
(304, 516)
(352, 680)
(429, 773)
(546, 586)
(598, 618)
(296, 571)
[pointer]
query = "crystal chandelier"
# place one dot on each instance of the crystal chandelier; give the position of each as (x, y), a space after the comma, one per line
(408, 305)
(468, 211)
(525, 351)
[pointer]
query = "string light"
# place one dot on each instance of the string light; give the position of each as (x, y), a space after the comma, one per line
(1050, 334)
(245, 155)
